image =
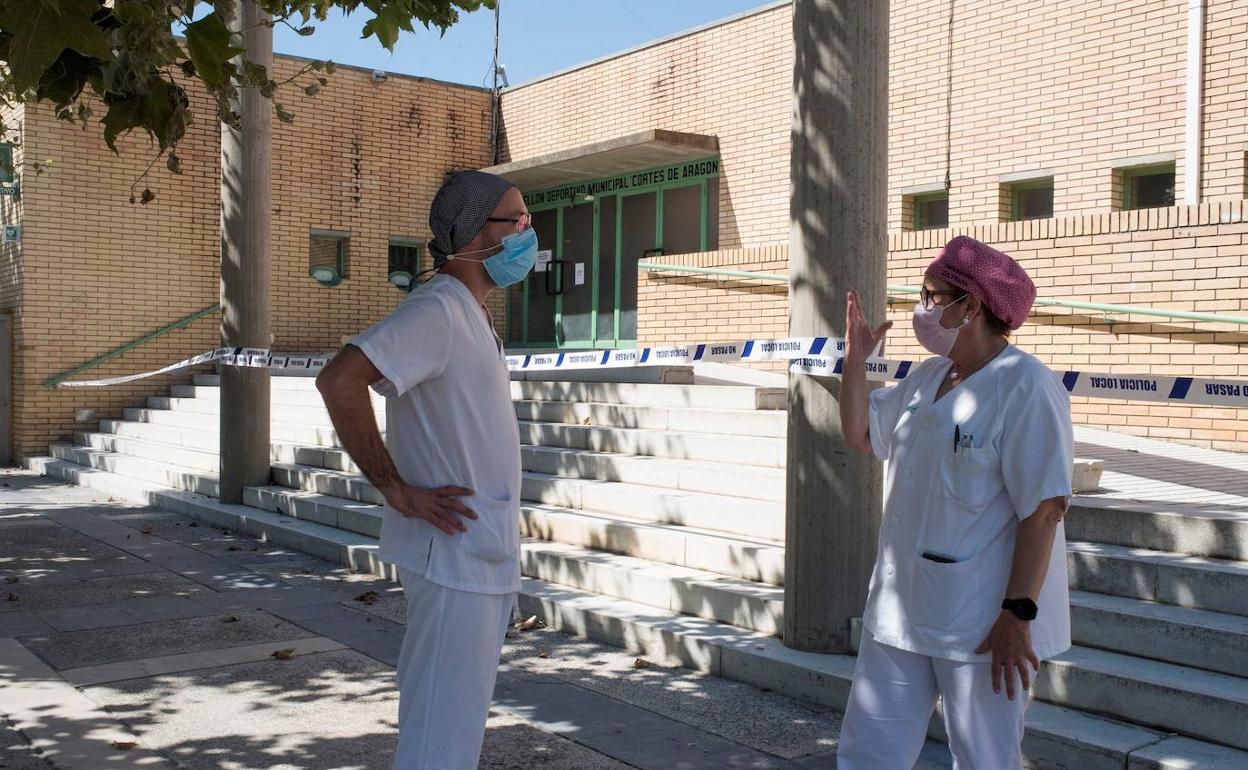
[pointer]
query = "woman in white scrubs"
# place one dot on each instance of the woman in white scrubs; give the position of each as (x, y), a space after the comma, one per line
(969, 590)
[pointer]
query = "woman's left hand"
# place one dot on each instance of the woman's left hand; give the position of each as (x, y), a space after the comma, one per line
(1010, 644)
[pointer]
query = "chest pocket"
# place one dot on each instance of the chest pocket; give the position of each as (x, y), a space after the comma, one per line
(971, 477)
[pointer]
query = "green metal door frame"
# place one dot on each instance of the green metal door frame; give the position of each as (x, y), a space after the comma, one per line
(702, 181)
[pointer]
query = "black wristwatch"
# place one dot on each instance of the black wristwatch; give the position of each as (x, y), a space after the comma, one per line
(1024, 609)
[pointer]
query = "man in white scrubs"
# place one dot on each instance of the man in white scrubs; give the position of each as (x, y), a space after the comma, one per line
(969, 590)
(450, 466)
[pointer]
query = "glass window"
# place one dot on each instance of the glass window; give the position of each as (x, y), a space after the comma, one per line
(1032, 200)
(930, 212)
(327, 257)
(682, 220)
(403, 261)
(1148, 188)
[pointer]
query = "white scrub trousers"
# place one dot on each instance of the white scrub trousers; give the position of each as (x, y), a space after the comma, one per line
(446, 673)
(891, 702)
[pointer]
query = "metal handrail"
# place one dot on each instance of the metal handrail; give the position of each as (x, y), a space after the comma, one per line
(1099, 307)
(52, 382)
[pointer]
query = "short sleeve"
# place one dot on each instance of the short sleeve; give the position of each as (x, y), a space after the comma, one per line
(410, 345)
(1037, 444)
(886, 406)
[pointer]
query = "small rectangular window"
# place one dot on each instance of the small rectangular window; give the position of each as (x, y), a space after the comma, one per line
(7, 173)
(1148, 188)
(327, 257)
(1031, 200)
(404, 261)
(930, 211)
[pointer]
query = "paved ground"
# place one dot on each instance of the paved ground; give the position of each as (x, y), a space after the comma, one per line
(136, 638)
(1184, 477)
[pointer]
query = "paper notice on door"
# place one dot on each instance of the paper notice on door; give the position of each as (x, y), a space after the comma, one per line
(542, 263)
(580, 274)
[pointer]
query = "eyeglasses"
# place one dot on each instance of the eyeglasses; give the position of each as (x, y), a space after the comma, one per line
(524, 220)
(926, 295)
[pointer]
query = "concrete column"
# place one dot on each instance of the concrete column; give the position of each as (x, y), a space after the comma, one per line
(838, 241)
(246, 185)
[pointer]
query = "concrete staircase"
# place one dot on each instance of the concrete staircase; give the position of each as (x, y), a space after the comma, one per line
(654, 519)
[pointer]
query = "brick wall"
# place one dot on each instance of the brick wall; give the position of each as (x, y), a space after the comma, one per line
(1183, 258)
(733, 81)
(362, 157)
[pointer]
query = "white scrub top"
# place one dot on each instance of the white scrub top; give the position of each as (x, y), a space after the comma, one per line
(450, 422)
(1015, 450)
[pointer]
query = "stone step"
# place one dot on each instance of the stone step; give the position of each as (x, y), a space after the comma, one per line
(741, 603)
(681, 546)
(173, 435)
(1175, 579)
(147, 449)
(753, 519)
(696, 396)
(742, 450)
(735, 422)
(137, 468)
(736, 481)
(1166, 578)
(1057, 737)
(665, 585)
(1200, 704)
(1155, 576)
(209, 408)
(1211, 641)
(740, 481)
(208, 440)
(745, 422)
(1219, 533)
(108, 484)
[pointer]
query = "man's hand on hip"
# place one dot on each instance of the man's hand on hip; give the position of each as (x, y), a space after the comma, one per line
(440, 507)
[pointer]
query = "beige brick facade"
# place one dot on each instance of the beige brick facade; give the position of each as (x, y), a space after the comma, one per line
(1055, 88)
(363, 158)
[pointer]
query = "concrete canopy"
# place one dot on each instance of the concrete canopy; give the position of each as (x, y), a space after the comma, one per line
(599, 160)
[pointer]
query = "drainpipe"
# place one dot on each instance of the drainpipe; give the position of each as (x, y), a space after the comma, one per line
(1195, 100)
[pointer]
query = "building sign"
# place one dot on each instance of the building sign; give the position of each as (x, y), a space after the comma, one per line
(634, 179)
(12, 233)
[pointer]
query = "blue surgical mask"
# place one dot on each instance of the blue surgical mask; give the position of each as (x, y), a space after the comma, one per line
(514, 262)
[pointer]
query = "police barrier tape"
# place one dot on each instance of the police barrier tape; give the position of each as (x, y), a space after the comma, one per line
(819, 356)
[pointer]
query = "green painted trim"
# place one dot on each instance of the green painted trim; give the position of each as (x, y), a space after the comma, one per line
(646, 265)
(619, 263)
(640, 188)
(559, 278)
(702, 215)
(597, 278)
(52, 382)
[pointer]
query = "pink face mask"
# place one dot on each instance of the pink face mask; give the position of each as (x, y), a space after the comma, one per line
(927, 329)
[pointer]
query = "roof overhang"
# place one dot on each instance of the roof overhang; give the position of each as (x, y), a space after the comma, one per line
(647, 149)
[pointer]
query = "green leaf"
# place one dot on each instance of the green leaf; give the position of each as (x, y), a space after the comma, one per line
(160, 110)
(208, 42)
(42, 29)
(282, 114)
(63, 82)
